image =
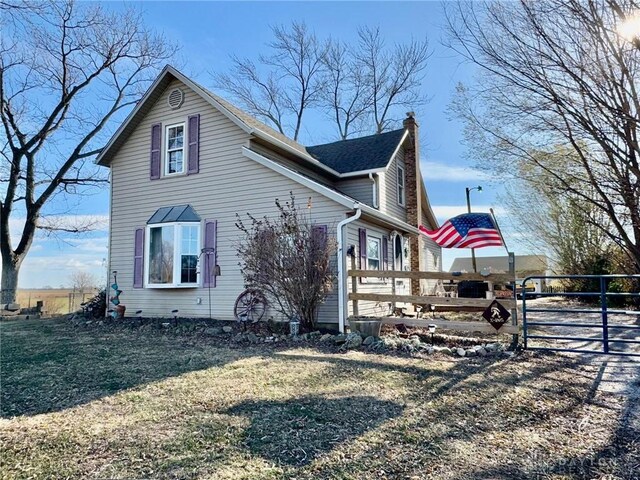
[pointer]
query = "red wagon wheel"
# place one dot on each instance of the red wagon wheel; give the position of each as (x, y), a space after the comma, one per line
(250, 306)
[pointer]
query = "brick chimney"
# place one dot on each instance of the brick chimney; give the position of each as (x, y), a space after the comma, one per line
(413, 180)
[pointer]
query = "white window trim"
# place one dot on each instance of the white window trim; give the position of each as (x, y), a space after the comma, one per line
(177, 239)
(184, 148)
(402, 199)
(379, 240)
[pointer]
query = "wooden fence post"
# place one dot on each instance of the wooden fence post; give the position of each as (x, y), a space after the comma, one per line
(515, 339)
(354, 286)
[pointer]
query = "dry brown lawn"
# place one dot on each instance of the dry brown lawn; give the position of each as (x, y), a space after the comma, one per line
(109, 403)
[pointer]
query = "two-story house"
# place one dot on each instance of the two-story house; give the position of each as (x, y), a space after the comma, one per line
(185, 161)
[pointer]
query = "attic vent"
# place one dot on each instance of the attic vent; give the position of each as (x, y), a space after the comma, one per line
(176, 97)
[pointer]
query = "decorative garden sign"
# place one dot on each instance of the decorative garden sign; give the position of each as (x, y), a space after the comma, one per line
(496, 315)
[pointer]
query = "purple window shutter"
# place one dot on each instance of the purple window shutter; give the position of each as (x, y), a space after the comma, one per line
(138, 259)
(385, 255)
(193, 163)
(209, 259)
(363, 251)
(156, 141)
(320, 234)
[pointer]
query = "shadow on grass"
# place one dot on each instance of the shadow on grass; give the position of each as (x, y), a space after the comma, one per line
(48, 365)
(299, 430)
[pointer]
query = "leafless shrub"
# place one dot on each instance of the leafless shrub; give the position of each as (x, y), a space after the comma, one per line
(288, 258)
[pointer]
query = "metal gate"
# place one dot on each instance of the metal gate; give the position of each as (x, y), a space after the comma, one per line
(594, 325)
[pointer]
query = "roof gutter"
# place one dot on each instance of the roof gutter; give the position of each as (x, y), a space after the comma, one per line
(343, 301)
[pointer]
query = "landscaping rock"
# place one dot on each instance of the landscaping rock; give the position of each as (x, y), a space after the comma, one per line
(227, 329)
(353, 340)
(461, 352)
(238, 337)
(166, 325)
(212, 331)
(481, 352)
(253, 338)
(315, 334)
(390, 342)
(470, 353)
(327, 337)
(494, 347)
(340, 339)
(370, 340)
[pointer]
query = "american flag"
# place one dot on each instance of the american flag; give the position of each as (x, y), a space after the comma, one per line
(471, 230)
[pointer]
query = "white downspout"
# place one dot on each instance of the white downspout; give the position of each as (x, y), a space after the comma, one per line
(342, 267)
(375, 190)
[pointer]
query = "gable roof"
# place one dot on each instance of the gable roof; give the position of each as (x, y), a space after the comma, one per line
(358, 154)
(329, 192)
(252, 126)
(255, 127)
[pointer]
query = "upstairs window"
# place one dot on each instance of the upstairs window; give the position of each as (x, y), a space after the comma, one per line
(174, 152)
(401, 188)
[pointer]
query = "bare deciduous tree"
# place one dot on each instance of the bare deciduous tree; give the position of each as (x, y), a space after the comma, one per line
(368, 81)
(66, 70)
(346, 95)
(82, 280)
(288, 258)
(393, 75)
(557, 73)
(292, 85)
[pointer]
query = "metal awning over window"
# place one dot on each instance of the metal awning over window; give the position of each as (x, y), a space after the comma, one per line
(179, 213)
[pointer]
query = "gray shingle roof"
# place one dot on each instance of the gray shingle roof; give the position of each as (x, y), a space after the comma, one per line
(364, 153)
(179, 213)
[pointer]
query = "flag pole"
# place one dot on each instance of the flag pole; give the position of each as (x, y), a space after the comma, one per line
(495, 221)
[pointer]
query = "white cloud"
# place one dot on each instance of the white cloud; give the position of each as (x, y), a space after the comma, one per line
(93, 245)
(443, 171)
(56, 270)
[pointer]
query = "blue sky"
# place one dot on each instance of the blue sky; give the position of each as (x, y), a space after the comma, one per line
(208, 32)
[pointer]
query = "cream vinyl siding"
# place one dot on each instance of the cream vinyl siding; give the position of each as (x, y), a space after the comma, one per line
(372, 285)
(359, 188)
(228, 183)
(389, 188)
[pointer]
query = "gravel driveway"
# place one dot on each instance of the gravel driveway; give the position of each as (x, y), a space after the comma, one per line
(571, 314)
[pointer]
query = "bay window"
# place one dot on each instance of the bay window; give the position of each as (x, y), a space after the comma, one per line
(172, 254)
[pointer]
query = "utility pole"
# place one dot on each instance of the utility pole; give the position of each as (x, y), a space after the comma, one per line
(473, 250)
